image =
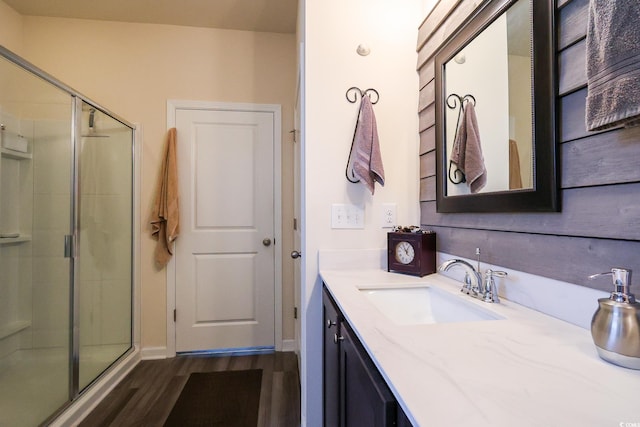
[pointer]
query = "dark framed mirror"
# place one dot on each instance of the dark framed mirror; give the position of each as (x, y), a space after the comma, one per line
(495, 83)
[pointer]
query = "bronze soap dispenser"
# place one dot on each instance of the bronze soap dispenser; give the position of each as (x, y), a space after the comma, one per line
(615, 325)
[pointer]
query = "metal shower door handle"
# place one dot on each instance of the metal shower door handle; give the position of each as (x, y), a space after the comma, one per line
(69, 248)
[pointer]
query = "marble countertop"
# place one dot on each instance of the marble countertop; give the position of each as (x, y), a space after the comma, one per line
(528, 369)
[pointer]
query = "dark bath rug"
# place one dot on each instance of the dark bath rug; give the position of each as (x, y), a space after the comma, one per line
(224, 399)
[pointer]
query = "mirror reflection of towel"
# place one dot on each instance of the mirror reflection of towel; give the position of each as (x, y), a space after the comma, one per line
(515, 177)
(165, 220)
(367, 165)
(467, 150)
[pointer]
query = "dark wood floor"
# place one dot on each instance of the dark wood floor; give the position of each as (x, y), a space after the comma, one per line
(147, 394)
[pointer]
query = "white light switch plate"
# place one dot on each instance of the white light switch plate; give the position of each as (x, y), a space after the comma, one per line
(347, 216)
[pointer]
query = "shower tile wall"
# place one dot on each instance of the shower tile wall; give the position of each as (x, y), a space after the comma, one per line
(34, 275)
(15, 274)
(52, 204)
(105, 243)
(37, 267)
(15, 259)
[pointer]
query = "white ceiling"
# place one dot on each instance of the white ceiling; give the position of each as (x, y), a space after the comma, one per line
(277, 16)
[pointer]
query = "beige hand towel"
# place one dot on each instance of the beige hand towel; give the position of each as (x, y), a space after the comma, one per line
(467, 150)
(367, 165)
(165, 221)
(515, 176)
(613, 64)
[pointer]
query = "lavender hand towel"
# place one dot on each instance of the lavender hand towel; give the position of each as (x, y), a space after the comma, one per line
(367, 164)
(613, 64)
(467, 150)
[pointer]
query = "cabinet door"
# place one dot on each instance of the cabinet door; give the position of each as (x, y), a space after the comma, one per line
(367, 399)
(331, 368)
(403, 420)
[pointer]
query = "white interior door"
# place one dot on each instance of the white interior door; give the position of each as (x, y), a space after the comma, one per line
(297, 210)
(225, 255)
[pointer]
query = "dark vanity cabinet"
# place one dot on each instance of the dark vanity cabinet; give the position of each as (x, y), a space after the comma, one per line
(354, 392)
(331, 361)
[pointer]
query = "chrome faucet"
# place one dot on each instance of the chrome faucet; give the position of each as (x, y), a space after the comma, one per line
(474, 284)
(472, 279)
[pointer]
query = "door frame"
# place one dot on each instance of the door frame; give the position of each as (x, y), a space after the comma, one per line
(275, 109)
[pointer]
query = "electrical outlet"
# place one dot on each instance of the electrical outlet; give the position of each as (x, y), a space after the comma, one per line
(389, 215)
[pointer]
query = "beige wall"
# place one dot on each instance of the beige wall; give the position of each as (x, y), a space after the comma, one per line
(10, 28)
(132, 69)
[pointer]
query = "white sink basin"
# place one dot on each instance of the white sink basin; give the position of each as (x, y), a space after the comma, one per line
(423, 305)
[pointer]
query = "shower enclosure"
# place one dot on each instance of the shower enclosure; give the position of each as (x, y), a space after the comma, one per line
(66, 238)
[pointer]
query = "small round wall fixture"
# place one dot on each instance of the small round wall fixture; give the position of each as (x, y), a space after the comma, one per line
(363, 50)
(460, 58)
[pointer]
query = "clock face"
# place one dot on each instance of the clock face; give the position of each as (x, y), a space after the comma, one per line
(404, 252)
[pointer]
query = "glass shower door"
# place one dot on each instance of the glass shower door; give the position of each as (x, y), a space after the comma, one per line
(35, 276)
(66, 239)
(105, 242)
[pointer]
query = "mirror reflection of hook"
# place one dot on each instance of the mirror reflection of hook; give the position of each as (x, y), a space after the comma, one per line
(457, 99)
(353, 92)
(458, 176)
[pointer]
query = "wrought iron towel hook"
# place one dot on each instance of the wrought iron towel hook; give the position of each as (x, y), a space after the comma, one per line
(353, 92)
(352, 96)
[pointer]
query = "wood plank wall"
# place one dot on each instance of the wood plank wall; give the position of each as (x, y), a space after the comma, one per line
(599, 226)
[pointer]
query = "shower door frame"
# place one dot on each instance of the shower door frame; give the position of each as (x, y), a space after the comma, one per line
(74, 379)
(85, 399)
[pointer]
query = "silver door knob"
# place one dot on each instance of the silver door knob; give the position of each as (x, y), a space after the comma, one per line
(266, 241)
(295, 254)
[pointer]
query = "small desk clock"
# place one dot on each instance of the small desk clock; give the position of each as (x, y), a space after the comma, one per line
(411, 252)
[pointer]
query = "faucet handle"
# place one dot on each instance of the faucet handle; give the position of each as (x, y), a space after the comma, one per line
(495, 273)
(467, 287)
(490, 291)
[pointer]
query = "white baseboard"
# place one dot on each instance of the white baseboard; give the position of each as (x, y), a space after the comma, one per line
(73, 415)
(153, 353)
(288, 345)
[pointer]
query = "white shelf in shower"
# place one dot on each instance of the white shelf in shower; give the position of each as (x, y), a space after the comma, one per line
(13, 328)
(11, 240)
(16, 155)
